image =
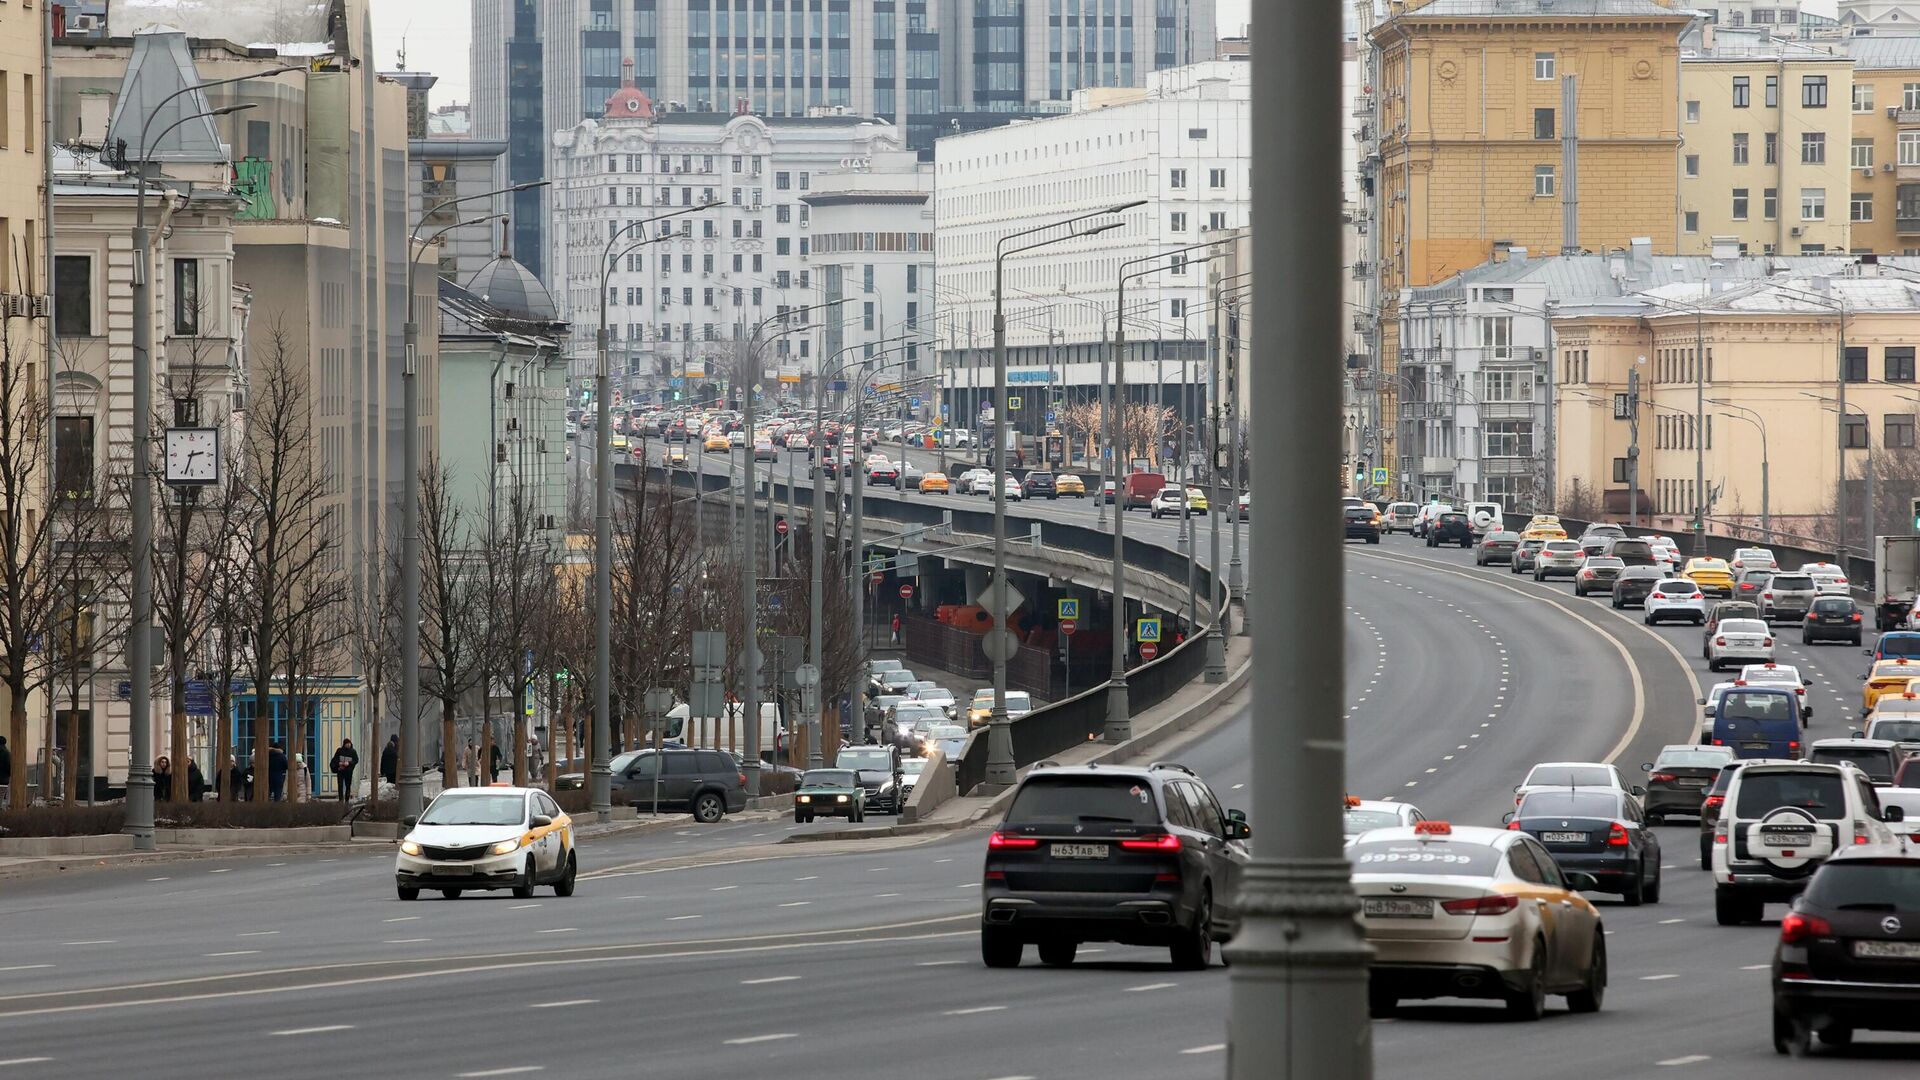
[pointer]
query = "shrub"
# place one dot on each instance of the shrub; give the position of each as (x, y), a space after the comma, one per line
(62, 821)
(111, 818)
(777, 783)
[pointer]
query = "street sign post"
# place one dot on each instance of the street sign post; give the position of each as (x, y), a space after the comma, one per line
(654, 706)
(780, 526)
(906, 592)
(1067, 608)
(1013, 404)
(1147, 629)
(1148, 650)
(705, 697)
(1068, 626)
(1379, 478)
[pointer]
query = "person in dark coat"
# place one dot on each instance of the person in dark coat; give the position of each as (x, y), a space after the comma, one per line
(196, 781)
(239, 780)
(6, 764)
(344, 761)
(162, 779)
(390, 760)
(276, 773)
(493, 763)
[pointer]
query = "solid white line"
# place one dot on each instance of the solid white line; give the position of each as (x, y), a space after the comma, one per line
(1656, 978)
(26, 967)
(558, 930)
(235, 952)
(508, 1071)
(23, 1061)
(313, 1030)
(101, 941)
(750, 1039)
(974, 1010)
(1150, 986)
(565, 1004)
(768, 979)
(1688, 1060)
(1210, 1048)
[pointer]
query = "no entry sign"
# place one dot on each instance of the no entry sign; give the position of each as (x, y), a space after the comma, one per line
(906, 592)
(1148, 650)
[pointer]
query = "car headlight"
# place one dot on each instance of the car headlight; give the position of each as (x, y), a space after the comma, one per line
(408, 847)
(839, 798)
(508, 847)
(804, 798)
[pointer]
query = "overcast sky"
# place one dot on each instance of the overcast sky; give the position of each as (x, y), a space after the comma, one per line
(436, 34)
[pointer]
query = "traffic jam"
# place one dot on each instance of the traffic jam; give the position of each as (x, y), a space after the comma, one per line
(1796, 794)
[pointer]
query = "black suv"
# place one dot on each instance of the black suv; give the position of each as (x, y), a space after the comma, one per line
(1037, 484)
(1137, 856)
(1450, 528)
(709, 784)
(878, 770)
(1831, 618)
(1363, 523)
(1848, 950)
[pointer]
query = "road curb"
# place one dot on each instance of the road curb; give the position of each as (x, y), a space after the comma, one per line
(56, 864)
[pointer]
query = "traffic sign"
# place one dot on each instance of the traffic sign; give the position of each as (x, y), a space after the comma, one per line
(1013, 404)
(1067, 607)
(906, 592)
(878, 577)
(914, 401)
(1000, 599)
(780, 526)
(946, 410)
(1000, 645)
(1068, 626)
(1148, 650)
(1052, 416)
(1147, 629)
(1379, 477)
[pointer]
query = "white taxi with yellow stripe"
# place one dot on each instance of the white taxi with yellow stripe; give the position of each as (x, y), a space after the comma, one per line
(499, 837)
(1474, 912)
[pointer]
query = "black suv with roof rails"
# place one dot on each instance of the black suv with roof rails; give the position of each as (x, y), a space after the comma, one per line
(1141, 856)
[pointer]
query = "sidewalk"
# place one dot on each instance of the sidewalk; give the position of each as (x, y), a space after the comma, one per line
(1194, 705)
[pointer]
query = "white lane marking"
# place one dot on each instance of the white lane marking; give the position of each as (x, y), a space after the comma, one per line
(750, 1039)
(521, 907)
(809, 877)
(724, 888)
(258, 933)
(885, 895)
(276, 864)
(313, 1030)
(968, 885)
(403, 918)
(1433, 770)
(681, 918)
(510, 1070)
(942, 860)
(1412, 783)
(1670, 922)
(99, 941)
(1656, 978)
(1237, 787)
(633, 898)
(234, 952)
(974, 1010)
(1022, 1076)
(24, 1061)
(768, 979)
(797, 903)
(406, 940)
(1150, 986)
(159, 879)
(26, 967)
(1756, 967)
(1690, 1059)
(565, 1004)
(1210, 1048)
(224, 870)
(938, 963)
(558, 930)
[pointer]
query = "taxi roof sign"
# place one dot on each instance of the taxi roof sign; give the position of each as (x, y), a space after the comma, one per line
(1353, 801)
(1433, 828)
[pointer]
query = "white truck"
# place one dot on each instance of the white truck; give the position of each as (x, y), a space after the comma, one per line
(1896, 569)
(728, 733)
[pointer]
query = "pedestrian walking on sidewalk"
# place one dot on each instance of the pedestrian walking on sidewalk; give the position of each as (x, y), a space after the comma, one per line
(896, 630)
(390, 760)
(493, 763)
(470, 765)
(162, 779)
(276, 773)
(196, 781)
(344, 761)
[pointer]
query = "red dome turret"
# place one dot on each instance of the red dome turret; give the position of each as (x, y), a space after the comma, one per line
(629, 101)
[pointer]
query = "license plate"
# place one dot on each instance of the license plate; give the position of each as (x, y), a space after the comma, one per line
(1743, 641)
(1396, 909)
(1887, 950)
(1691, 782)
(1754, 746)
(1563, 837)
(453, 869)
(1788, 840)
(1079, 851)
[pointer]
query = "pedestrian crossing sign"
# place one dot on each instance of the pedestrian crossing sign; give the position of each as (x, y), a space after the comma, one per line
(1379, 477)
(1068, 607)
(1147, 629)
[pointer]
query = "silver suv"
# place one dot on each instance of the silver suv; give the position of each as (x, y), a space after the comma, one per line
(1558, 558)
(1787, 596)
(1780, 821)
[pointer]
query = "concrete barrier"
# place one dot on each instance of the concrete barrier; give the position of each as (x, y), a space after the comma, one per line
(782, 803)
(315, 834)
(934, 787)
(105, 844)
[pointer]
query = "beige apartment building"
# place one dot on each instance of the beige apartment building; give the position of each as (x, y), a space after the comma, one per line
(1885, 153)
(1765, 152)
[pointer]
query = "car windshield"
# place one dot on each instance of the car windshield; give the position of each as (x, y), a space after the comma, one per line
(464, 809)
(1822, 793)
(1018, 699)
(1790, 583)
(1359, 821)
(1830, 606)
(819, 778)
(621, 762)
(912, 766)
(1895, 730)
(1562, 545)
(1675, 585)
(1569, 804)
(1875, 761)
(1604, 562)
(1073, 800)
(868, 759)
(1423, 857)
(1867, 884)
(1690, 759)
(1570, 776)
(1748, 705)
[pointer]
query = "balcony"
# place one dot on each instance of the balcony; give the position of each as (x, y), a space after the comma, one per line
(1362, 270)
(1363, 105)
(1907, 226)
(1906, 172)
(1904, 116)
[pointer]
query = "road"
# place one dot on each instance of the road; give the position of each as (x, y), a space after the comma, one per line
(716, 951)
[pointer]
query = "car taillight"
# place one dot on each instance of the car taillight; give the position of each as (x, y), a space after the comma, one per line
(1839, 581)
(1663, 777)
(1698, 596)
(1746, 586)
(1713, 802)
(1481, 905)
(1659, 596)
(1797, 927)
(1719, 641)
(1616, 835)
(1793, 744)
(1856, 616)
(1801, 690)
(1161, 842)
(1513, 826)
(1766, 596)
(743, 779)
(999, 841)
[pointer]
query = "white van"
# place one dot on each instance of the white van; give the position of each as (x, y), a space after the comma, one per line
(1486, 517)
(716, 733)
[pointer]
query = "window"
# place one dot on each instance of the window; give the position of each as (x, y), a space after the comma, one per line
(866, 278)
(1910, 95)
(1769, 203)
(1508, 438)
(1863, 97)
(1693, 112)
(1813, 204)
(1856, 363)
(1899, 363)
(1543, 123)
(73, 461)
(1619, 470)
(1742, 91)
(1216, 220)
(1177, 222)
(1898, 433)
(1691, 221)
(1496, 335)
(1176, 308)
(1176, 178)
(186, 296)
(1216, 178)
(1692, 164)
(1813, 91)
(1543, 66)
(1773, 148)
(1854, 432)
(867, 311)
(1773, 91)
(1860, 206)
(1740, 204)
(1739, 148)
(1813, 148)
(1860, 155)
(1543, 180)
(73, 295)
(1908, 148)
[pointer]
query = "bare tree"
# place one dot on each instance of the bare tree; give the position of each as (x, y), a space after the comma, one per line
(453, 609)
(374, 645)
(1580, 501)
(656, 592)
(520, 570)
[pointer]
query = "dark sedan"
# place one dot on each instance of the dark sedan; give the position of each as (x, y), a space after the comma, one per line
(1677, 780)
(1831, 618)
(1749, 584)
(1038, 484)
(1849, 951)
(1597, 574)
(1362, 523)
(1630, 589)
(1496, 547)
(1710, 810)
(1596, 832)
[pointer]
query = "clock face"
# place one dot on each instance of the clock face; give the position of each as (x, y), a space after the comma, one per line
(193, 455)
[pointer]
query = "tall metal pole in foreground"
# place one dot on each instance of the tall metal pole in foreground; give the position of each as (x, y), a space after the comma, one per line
(1298, 1009)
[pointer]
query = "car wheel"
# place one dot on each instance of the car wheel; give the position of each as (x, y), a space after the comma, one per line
(1636, 892)
(1836, 1035)
(408, 892)
(1530, 1001)
(1588, 998)
(708, 808)
(1732, 910)
(1381, 1001)
(799, 817)
(1792, 1036)
(524, 890)
(859, 814)
(1706, 852)
(999, 949)
(564, 887)
(1058, 953)
(1194, 949)
(451, 894)
(1652, 893)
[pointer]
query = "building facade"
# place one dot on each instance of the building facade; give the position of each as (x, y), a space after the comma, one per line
(1886, 142)
(509, 103)
(446, 166)
(873, 235)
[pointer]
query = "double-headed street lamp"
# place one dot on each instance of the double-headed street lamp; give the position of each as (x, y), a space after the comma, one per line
(1766, 495)
(1841, 406)
(1000, 764)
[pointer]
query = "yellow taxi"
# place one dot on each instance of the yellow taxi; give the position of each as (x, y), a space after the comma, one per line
(676, 454)
(618, 442)
(935, 481)
(717, 443)
(1070, 484)
(980, 708)
(1197, 501)
(1539, 531)
(1713, 576)
(476, 838)
(1887, 677)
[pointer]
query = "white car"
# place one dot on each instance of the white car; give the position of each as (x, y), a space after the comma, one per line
(938, 695)
(471, 839)
(1827, 578)
(1571, 775)
(1754, 558)
(1710, 703)
(1365, 815)
(1780, 820)
(737, 437)
(1245, 503)
(1169, 501)
(976, 482)
(1786, 676)
(910, 769)
(1676, 598)
(1475, 912)
(1740, 641)
(1014, 491)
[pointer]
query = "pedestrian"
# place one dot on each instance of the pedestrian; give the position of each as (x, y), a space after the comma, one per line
(162, 779)
(6, 771)
(276, 773)
(469, 765)
(390, 759)
(196, 781)
(535, 754)
(493, 763)
(237, 787)
(302, 789)
(896, 629)
(344, 760)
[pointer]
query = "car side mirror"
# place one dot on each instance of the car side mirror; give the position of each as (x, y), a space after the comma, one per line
(1893, 813)
(1580, 882)
(409, 821)
(1506, 818)
(1647, 766)
(1703, 701)
(1636, 791)
(1806, 682)
(1517, 787)
(540, 821)
(1236, 815)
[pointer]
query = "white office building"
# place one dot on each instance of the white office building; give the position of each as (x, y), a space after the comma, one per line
(873, 244)
(1181, 144)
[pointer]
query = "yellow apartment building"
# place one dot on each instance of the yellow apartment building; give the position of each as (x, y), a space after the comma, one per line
(1468, 95)
(1765, 151)
(1885, 151)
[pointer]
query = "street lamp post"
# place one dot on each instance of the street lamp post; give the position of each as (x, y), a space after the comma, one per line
(1840, 407)
(1236, 575)
(1766, 497)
